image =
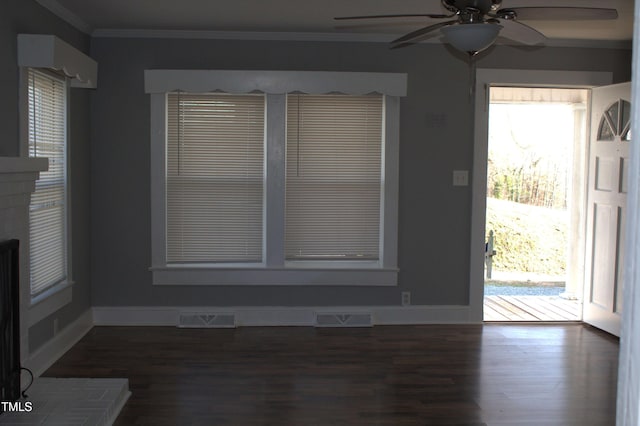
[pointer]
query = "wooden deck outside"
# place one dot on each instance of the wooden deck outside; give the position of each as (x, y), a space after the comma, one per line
(531, 308)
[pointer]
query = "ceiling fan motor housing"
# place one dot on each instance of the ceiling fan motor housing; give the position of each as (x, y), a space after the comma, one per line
(483, 6)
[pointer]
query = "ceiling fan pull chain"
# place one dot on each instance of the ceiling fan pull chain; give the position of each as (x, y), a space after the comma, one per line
(472, 76)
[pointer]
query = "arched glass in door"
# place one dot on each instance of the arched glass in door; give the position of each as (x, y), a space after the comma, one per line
(616, 121)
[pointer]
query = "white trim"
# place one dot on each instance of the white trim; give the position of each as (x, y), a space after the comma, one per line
(77, 22)
(391, 186)
(326, 37)
(23, 114)
(50, 301)
(628, 403)
(274, 276)
(40, 360)
(50, 352)
(158, 148)
(589, 44)
(484, 78)
(280, 316)
(244, 35)
(39, 307)
(23, 164)
(274, 270)
(48, 51)
(17, 182)
(66, 15)
(275, 82)
(274, 186)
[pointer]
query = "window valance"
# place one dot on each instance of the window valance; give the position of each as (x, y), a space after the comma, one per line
(48, 51)
(275, 82)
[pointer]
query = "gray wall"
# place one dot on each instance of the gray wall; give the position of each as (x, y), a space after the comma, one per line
(26, 16)
(436, 138)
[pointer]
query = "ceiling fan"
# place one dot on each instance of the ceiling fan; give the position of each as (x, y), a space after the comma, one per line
(473, 25)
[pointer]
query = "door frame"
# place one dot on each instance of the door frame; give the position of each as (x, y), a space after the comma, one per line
(485, 77)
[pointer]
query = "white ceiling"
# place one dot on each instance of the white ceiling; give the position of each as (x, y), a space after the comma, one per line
(301, 18)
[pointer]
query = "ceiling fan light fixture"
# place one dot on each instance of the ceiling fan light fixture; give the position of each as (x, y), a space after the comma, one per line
(471, 38)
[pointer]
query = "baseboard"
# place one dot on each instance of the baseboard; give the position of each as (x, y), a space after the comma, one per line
(39, 361)
(281, 316)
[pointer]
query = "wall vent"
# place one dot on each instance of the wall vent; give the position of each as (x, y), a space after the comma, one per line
(344, 320)
(208, 320)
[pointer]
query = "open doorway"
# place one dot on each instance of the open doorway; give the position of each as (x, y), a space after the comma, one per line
(534, 258)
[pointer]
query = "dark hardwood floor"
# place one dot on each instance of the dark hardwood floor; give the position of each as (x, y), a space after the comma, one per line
(562, 375)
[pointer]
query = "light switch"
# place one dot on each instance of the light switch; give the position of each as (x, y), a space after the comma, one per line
(461, 178)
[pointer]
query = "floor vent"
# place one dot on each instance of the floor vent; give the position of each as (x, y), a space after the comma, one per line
(344, 320)
(198, 320)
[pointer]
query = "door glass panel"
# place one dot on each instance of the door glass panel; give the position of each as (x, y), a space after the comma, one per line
(625, 107)
(613, 113)
(605, 133)
(626, 120)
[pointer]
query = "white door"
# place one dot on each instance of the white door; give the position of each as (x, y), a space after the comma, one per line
(606, 206)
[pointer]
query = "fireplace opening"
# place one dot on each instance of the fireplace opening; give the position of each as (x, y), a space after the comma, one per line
(9, 322)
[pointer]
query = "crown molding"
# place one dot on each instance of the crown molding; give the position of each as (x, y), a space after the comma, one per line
(326, 37)
(66, 15)
(592, 44)
(244, 35)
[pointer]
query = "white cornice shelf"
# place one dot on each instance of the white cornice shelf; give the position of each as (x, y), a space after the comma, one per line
(23, 164)
(48, 51)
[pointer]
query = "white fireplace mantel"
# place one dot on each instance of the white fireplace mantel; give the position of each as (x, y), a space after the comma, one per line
(13, 165)
(18, 177)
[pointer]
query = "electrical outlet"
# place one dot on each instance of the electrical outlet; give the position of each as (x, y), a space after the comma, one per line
(461, 178)
(406, 298)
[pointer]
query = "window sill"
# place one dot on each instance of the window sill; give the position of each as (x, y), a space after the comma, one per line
(49, 302)
(300, 276)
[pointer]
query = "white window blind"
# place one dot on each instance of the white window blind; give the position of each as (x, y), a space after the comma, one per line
(47, 212)
(215, 177)
(333, 177)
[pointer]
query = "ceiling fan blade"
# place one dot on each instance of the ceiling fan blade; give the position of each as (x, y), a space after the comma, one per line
(561, 13)
(517, 31)
(419, 35)
(414, 15)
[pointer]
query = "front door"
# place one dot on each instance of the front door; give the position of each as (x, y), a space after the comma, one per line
(606, 206)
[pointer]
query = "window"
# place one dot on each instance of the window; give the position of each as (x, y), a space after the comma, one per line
(333, 186)
(48, 209)
(274, 178)
(49, 67)
(215, 174)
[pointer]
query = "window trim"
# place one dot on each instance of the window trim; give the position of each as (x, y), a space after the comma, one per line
(48, 52)
(60, 294)
(274, 270)
(275, 82)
